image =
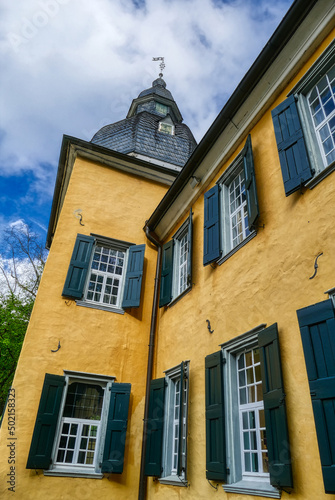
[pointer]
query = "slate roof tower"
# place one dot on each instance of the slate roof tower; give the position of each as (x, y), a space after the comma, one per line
(152, 131)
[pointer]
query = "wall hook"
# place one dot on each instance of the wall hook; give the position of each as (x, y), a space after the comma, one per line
(59, 346)
(212, 485)
(79, 216)
(316, 265)
(209, 326)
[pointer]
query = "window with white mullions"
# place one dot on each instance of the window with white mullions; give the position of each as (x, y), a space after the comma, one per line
(182, 268)
(106, 276)
(251, 414)
(238, 212)
(321, 101)
(175, 432)
(80, 425)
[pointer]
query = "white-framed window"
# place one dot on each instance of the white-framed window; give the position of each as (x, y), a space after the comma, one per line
(235, 226)
(166, 128)
(106, 278)
(175, 425)
(246, 445)
(176, 273)
(105, 273)
(321, 103)
(231, 209)
(78, 445)
(162, 108)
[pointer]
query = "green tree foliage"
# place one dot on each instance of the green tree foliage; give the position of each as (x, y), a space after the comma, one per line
(14, 318)
(21, 265)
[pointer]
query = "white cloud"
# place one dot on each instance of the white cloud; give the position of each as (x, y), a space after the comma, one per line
(71, 67)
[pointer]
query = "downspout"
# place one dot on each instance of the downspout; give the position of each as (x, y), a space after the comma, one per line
(143, 480)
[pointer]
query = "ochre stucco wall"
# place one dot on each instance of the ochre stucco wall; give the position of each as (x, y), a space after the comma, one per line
(265, 281)
(114, 204)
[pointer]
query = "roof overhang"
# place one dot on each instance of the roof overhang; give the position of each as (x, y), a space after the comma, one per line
(72, 148)
(304, 26)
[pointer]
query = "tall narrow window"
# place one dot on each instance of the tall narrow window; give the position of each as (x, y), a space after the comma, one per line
(251, 415)
(321, 102)
(238, 211)
(182, 258)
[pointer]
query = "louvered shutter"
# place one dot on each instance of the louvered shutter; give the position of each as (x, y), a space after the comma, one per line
(116, 431)
(153, 456)
(46, 422)
(133, 279)
(292, 150)
(275, 409)
(216, 467)
(317, 327)
(212, 245)
(77, 272)
(250, 184)
(165, 295)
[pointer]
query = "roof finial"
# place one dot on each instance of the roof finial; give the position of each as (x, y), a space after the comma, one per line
(162, 65)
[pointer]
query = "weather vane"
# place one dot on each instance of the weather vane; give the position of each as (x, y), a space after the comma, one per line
(162, 64)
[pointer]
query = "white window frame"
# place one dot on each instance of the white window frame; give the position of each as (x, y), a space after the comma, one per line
(180, 270)
(82, 470)
(226, 225)
(166, 121)
(169, 475)
(237, 481)
(301, 92)
(112, 244)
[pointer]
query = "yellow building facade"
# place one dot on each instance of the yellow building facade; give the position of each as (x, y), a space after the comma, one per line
(208, 369)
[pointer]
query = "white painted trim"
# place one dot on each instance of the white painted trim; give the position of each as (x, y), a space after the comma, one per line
(256, 488)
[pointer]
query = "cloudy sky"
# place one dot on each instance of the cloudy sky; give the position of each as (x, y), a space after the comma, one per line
(70, 67)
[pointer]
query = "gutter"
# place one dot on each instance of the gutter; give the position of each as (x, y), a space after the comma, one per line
(143, 480)
(286, 29)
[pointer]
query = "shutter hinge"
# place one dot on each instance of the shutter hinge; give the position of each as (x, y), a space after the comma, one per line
(228, 471)
(313, 394)
(224, 360)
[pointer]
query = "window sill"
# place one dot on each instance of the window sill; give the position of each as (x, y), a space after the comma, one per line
(256, 488)
(223, 259)
(320, 176)
(73, 473)
(83, 303)
(173, 481)
(176, 299)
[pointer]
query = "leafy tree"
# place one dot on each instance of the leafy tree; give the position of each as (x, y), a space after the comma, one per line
(14, 318)
(21, 265)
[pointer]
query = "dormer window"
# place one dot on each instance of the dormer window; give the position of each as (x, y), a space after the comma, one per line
(166, 128)
(161, 108)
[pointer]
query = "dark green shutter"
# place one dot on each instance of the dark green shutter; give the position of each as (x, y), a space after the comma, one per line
(153, 456)
(165, 295)
(133, 280)
(215, 425)
(46, 422)
(116, 431)
(275, 409)
(317, 327)
(189, 249)
(212, 244)
(77, 272)
(250, 184)
(292, 150)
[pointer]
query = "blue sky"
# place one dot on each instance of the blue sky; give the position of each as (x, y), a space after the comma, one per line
(70, 67)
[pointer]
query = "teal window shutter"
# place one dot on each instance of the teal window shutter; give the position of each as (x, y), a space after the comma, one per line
(113, 456)
(291, 146)
(317, 327)
(77, 272)
(216, 467)
(46, 422)
(189, 249)
(250, 184)
(275, 409)
(165, 295)
(153, 456)
(133, 281)
(212, 245)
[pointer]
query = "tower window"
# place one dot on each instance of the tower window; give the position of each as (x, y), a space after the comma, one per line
(161, 108)
(166, 128)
